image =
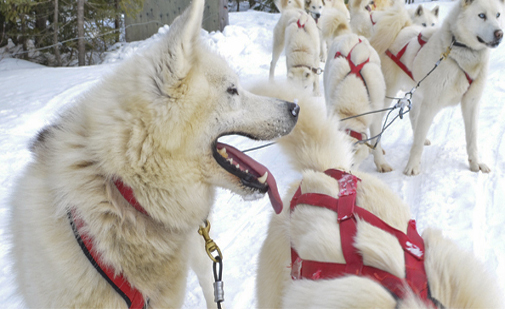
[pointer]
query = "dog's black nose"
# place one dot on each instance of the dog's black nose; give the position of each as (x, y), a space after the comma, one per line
(318, 15)
(294, 109)
(498, 34)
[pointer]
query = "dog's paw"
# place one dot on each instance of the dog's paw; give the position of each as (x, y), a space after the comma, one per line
(412, 170)
(427, 142)
(384, 168)
(476, 167)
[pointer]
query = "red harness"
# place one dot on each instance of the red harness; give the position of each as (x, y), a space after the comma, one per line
(356, 70)
(396, 59)
(347, 211)
(133, 298)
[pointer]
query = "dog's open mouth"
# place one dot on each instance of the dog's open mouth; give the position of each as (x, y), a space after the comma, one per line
(251, 173)
(492, 44)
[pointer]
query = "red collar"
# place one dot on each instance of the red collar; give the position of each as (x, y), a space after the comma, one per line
(347, 211)
(133, 297)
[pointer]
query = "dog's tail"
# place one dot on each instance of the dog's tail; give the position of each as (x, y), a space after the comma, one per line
(316, 142)
(334, 23)
(387, 26)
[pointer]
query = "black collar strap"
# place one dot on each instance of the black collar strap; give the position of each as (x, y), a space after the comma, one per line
(458, 44)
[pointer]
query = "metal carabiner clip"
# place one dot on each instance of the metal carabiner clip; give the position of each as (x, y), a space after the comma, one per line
(210, 245)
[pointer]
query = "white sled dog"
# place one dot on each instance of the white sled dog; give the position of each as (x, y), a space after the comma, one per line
(106, 216)
(468, 32)
(424, 17)
(354, 85)
(298, 33)
(307, 259)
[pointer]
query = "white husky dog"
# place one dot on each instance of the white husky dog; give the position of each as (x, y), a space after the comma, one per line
(468, 32)
(361, 17)
(107, 213)
(354, 85)
(307, 260)
(297, 32)
(423, 17)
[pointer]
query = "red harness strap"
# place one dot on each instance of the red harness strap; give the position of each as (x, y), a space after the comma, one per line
(133, 297)
(344, 206)
(300, 25)
(354, 134)
(355, 69)
(396, 58)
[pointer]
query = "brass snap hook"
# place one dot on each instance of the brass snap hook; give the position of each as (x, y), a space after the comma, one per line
(210, 245)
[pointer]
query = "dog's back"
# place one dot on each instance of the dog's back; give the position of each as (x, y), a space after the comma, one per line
(314, 146)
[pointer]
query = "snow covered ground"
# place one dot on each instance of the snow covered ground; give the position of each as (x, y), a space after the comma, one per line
(469, 207)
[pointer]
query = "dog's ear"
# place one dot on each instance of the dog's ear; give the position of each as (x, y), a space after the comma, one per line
(183, 42)
(419, 10)
(467, 2)
(435, 10)
(324, 3)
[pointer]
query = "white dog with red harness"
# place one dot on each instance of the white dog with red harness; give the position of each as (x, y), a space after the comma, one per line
(296, 33)
(354, 85)
(464, 40)
(348, 241)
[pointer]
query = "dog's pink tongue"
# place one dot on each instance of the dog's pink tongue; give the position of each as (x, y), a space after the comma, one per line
(259, 169)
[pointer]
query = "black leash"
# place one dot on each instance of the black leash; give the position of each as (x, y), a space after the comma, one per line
(218, 284)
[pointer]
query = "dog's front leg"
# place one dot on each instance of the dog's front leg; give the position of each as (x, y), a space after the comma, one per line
(201, 264)
(470, 109)
(422, 125)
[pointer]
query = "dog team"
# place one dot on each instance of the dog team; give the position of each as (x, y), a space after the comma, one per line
(107, 213)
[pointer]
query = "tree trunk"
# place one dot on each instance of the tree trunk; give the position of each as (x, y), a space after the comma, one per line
(55, 35)
(117, 23)
(80, 33)
(238, 5)
(24, 37)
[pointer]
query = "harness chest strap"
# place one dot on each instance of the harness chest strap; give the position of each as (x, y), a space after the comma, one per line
(133, 297)
(347, 211)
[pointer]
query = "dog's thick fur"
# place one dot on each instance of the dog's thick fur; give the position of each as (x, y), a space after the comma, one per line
(153, 124)
(473, 23)
(346, 94)
(297, 33)
(423, 17)
(455, 277)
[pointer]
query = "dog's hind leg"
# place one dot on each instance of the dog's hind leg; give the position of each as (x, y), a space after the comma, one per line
(378, 153)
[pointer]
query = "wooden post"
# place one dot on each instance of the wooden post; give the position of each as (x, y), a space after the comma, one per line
(157, 13)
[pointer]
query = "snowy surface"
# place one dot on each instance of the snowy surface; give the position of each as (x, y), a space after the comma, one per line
(469, 207)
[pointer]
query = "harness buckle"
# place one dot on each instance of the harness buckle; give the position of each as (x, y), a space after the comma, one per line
(210, 245)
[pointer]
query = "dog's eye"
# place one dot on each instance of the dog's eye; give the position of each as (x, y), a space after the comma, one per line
(424, 24)
(314, 7)
(482, 16)
(497, 15)
(433, 24)
(232, 91)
